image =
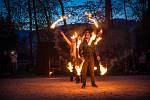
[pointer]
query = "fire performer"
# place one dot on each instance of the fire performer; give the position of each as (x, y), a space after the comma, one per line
(87, 53)
(73, 53)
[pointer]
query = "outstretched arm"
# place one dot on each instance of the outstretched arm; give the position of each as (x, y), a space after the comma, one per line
(97, 53)
(66, 39)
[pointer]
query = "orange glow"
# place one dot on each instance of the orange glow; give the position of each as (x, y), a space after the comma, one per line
(103, 69)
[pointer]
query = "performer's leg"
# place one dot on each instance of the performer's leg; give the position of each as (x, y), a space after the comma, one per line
(84, 72)
(92, 72)
(91, 62)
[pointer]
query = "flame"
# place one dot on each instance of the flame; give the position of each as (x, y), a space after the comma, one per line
(103, 69)
(94, 21)
(61, 19)
(73, 37)
(92, 38)
(91, 19)
(50, 73)
(79, 68)
(70, 66)
(97, 40)
(101, 31)
(78, 43)
(95, 68)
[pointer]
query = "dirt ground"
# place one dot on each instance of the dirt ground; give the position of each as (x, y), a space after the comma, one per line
(60, 88)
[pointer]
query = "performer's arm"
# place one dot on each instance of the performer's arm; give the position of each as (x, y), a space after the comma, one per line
(82, 38)
(81, 50)
(66, 39)
(97, 53)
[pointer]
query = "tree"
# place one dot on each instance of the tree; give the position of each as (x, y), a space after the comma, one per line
(108, 13)
(30, 32)
(7, 5)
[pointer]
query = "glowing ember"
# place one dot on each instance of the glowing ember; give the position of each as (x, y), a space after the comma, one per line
(103, 69)
(61, 19)
(70, 66)
(92, 38)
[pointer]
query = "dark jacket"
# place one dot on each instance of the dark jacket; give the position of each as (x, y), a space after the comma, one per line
(86, 51)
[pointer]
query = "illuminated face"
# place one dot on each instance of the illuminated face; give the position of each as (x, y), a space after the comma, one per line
(87, 35)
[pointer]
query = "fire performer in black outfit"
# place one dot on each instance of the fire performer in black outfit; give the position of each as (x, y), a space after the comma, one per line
(87, 52)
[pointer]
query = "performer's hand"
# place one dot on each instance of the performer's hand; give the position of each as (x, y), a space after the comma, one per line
(98, 58)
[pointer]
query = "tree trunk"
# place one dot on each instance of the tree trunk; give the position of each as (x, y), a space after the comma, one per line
(45, 11)
(7, 5)
(30, 33)
(108, 14)
(36, 25)
(125, 13)
(37, 32)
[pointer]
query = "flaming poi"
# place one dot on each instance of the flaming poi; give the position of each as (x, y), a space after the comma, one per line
(103, 69)
(79, 68)
(97, 40)
(95, 68)
(60, 19)
(92, 19)
(70, 66)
